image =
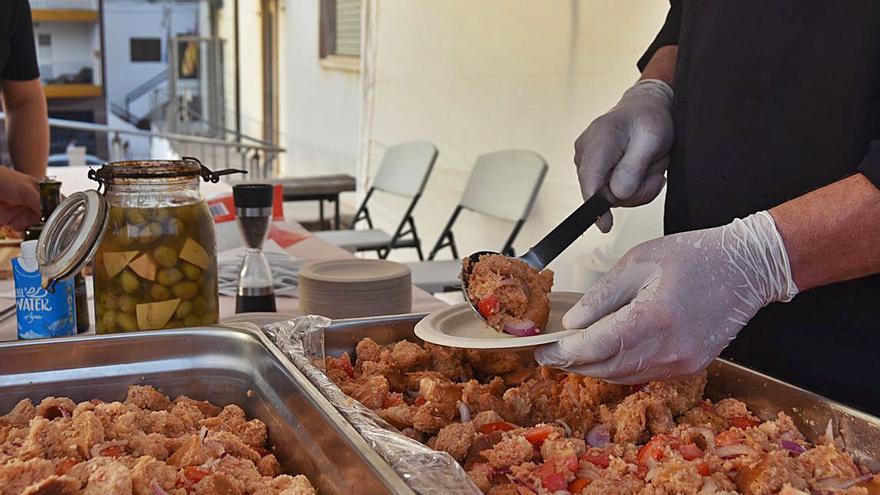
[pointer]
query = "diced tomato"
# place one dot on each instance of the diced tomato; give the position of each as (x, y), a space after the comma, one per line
(570, 463)
(496, 426)
(488, 305)
(653, 449)
(554, 482)
(96, 402)
(707, 406)
(64, 466)
(345, 362)
(642, 471)
(690, 451)
(727, 437)
(602, 460)
(578, 485)
(420, 400)
(743, 422)
(194, 474)
(703, 469)
(113, 451)
(536, 436)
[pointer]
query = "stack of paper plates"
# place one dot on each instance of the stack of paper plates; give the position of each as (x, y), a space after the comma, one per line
(354, 288)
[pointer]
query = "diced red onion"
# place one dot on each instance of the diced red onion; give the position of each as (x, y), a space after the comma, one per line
(203, 433)
(589, 471)
(157, 490)
(792, 447)
(599, 436)
(734, 450)
(839, 483)
(561, 422)
(522, 483)
(464, 414)
(522, 328)
(502, 470)
(64, 413)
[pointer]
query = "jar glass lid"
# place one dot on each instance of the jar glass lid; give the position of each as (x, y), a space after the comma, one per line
(71, 236)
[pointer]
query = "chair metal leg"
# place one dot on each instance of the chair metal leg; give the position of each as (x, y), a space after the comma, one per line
(336, 221)
(321, 213)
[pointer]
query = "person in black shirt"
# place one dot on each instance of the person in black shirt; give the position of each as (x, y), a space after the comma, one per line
(26, 117)
(763, 118)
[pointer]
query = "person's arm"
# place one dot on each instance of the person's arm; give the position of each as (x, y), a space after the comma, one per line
(27, 126)
(832, 233)
(662, 65)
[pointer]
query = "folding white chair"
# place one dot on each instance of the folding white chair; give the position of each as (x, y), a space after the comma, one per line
(403, 172)
(503, 185)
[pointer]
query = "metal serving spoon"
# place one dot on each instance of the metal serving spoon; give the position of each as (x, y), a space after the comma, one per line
(554, 243)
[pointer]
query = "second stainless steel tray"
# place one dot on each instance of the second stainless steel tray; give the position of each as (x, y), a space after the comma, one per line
(224, 366)
(766, 396)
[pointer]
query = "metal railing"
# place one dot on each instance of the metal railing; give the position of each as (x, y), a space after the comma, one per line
(67, 73)
(65, 4)
(147, 86)
(260, 160)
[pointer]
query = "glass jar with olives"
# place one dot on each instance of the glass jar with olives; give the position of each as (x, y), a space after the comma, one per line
(151, 236)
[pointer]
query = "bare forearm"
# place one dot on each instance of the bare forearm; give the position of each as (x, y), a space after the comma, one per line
(27, 126)
(662, 65)
(832, 233)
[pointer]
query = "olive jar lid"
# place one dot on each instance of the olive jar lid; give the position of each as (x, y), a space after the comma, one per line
(71, 235)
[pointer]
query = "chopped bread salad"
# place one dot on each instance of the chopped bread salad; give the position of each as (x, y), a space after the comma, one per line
(512, 296)
(146, 445)
(521, 429)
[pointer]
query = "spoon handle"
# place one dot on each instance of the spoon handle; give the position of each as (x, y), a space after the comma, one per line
(554, 243)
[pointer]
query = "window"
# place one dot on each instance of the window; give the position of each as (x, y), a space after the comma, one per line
(146, 49)
(341, 28)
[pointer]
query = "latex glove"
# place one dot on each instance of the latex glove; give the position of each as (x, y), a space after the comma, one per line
(671, 305)
(628, 147)
(19, 199)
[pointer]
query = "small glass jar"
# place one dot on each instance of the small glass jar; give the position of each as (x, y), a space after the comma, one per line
(156, 266)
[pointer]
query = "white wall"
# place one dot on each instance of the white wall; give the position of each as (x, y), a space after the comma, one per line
(479, 76)
(318, 106)
(250, 65)
(126, 19)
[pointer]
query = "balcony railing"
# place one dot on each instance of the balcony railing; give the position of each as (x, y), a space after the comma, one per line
(64, 4)
(68, 73)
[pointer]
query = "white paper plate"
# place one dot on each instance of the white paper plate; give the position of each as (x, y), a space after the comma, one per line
(458, 326)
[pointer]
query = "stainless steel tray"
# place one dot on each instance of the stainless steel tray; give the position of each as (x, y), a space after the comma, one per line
(216, 364)
(764, 395)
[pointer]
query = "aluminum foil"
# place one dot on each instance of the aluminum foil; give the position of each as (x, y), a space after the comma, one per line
(426, 471)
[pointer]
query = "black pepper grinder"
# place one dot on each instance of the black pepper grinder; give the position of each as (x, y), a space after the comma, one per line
(253, 211)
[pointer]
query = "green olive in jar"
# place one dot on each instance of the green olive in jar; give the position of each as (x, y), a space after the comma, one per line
(127, 322)
(185, 290)
(129, 282)
(169, 276)
(108, 320)
(192, 321)
(127, 304)
(159, 292)
(191, 272)
(108, 301)
(165, 256)
(183, 310)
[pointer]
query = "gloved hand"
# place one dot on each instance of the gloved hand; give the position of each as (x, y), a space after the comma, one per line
(19, 199)
(671, 305)
(628, 147)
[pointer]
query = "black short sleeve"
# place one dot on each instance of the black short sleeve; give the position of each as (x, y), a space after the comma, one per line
(21, 64)
(870, 166)
(668, 34)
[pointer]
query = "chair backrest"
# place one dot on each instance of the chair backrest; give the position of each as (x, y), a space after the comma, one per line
(504, 184)
(405, 168)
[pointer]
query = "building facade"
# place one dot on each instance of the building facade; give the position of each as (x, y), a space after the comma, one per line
(70, 49)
